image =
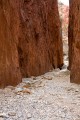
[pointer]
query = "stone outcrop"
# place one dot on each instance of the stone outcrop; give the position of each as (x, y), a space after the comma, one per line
(9, 60)
(74, 41)
(30, 39)
(40, 43)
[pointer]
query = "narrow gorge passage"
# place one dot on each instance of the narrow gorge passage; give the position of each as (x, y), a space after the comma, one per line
(49, 96)
(63, 7)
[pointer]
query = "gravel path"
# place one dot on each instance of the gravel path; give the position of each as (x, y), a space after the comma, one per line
(51, 97)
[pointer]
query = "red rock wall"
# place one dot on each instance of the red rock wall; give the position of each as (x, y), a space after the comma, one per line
(30, 38)
(74, 40)
(9, 60)
(70, 33)
(40, 43)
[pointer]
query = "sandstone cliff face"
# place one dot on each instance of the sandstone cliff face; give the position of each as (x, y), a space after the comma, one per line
(9, 62)
(30, 38)
(74, 40)
(40, 43)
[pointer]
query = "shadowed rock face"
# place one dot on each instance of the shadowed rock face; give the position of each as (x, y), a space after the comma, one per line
(30, 38)
(9, 62)
(40, 43)
(70, 32)
(74, 40)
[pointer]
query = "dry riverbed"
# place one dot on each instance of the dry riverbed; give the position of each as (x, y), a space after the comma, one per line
(47, 97)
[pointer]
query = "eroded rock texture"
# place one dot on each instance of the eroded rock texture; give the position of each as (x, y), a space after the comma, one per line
(74, 40)
(30, 39)
(40, 44)
(9, 26)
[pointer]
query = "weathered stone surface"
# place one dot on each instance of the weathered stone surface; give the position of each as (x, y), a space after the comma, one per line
(74, 40)
(40, 44)
(70, 33)
(9, 26)
(30, 39)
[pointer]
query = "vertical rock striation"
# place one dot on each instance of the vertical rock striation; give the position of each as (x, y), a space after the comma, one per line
(74, 40)
(40, 42)
(9, 60)
(30, 39)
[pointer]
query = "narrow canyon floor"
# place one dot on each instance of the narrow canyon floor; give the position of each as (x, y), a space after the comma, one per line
(47, 97)
(50, 97)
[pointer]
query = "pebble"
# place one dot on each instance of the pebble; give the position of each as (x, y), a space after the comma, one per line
(27, 91)
(76, 90)
(47, 78)
(3, 115)
(29, 116)
(18, 90)
(12, 114)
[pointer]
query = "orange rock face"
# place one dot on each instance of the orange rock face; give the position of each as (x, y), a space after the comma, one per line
(9, 61)
(40, 43)
(30, 39)
(74, 40)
